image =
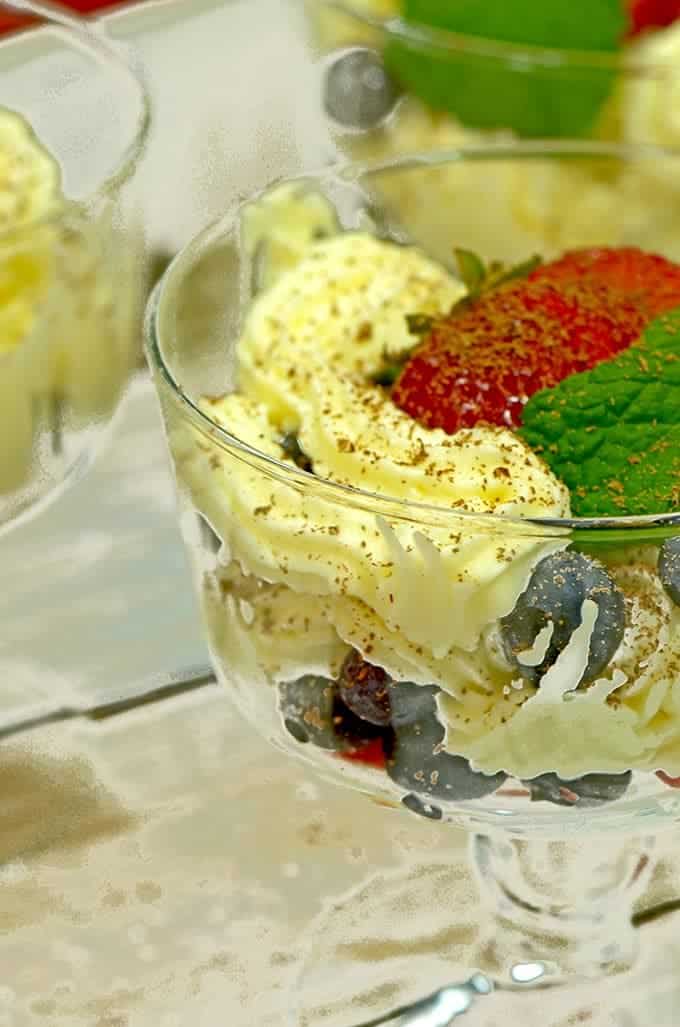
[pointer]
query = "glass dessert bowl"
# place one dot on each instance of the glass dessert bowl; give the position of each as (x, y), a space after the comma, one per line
(431, 505)
(461, 69)
(71, 268)
(399, 76)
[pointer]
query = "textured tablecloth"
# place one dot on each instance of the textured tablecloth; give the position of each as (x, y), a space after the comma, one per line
(162, 869)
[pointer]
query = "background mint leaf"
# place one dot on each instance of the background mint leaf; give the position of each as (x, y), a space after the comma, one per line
(612, 434)
(599, 25)
(486, 92)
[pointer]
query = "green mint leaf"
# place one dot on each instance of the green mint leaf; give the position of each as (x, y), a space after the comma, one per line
(491, 92)
(471, 269)
(550, 23)
(393, 363)
(387, 374)
(418, 324)
(612, 434)
(522, 270)
(480, 278)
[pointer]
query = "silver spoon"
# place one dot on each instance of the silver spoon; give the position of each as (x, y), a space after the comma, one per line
(440, 1008)
(165, 686)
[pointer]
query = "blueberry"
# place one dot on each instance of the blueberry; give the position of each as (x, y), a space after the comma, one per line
(307, 709)
(583, 792)
(290, 444)
(423, 809)
(363, 689)
(358, 93)
(669, 567)
(558, 587)
(415, 758)
(313, 712)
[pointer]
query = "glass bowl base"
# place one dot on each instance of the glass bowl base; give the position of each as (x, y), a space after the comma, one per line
(402, 936)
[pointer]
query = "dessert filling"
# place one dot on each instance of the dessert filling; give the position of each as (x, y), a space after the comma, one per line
(445, 645)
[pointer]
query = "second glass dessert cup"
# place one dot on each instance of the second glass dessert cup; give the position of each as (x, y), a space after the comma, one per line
(73, 124)
(367, 584)
(457, 88)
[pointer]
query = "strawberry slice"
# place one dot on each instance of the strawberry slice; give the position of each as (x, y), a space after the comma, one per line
(372, 754)
(672, 782)
(482, 362)
(652, 14)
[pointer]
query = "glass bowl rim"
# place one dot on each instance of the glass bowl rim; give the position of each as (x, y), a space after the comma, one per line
(86, 36)
(602, 529)
(526, 54)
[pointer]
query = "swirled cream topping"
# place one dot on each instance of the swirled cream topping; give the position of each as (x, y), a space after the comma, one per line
(29, 176)
(309, 346)
(29, 191)
(650, 99)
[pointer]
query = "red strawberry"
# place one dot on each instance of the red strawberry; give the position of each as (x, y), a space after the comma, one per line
(11, 21)
(650, 281)
(652, 14)
(482, 362)
(371, 754)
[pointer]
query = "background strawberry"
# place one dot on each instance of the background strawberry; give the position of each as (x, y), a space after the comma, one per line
(10, 21)
(652, 14)
(651, 282)
(481, 363)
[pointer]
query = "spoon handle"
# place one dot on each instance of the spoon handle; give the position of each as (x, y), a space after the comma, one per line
(161, 687)
(439, 1009)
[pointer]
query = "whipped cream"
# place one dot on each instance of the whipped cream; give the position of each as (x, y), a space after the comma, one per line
(29, 176)
(67, 304)
(650, 99)
(29, 193)
(307, 348)
(627, 718)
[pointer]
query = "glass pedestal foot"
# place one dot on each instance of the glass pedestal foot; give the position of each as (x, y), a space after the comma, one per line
(403, 936)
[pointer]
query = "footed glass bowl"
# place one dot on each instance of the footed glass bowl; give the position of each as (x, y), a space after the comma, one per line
(393, 83)
(418, 615)
(73, 124)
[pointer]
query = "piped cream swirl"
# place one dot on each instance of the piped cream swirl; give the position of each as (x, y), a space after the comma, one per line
(309, 346)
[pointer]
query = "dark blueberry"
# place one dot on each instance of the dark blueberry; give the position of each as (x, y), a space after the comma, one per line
(423, 809)
(292, 448)
(364, 689)
(415, 758)
(358, 93)
(313, 711)
(583, 792)
(669, 567)
(559, 585)
(307, 709)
